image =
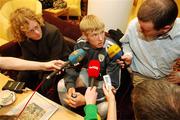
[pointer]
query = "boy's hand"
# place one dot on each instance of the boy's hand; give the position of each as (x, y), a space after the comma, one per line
(77, 101)
(71, 91)
(69, 94)
(91, 95)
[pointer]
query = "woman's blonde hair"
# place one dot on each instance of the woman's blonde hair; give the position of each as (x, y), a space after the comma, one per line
(91, 23)
(19, 22)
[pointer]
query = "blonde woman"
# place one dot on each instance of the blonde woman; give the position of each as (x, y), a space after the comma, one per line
(39, 41)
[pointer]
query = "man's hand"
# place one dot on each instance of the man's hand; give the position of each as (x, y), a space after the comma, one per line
(91, 95)
(174, 77)
(125, 60)
(52, 65)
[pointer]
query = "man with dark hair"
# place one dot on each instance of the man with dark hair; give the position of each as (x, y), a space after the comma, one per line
(156, 100)
(152, 41)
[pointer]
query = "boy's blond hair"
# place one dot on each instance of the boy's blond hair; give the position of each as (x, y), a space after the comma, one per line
(91, 23)
(19, 22)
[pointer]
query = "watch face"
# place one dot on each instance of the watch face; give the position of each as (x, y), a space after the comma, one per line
(7, 97)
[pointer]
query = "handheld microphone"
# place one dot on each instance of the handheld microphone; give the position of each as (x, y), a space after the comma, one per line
(74, 58)
(114, 52)
(93, 71)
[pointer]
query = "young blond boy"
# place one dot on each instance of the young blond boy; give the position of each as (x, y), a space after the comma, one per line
(95, 43)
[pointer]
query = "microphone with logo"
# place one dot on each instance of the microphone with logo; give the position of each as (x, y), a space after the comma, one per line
(74, 58)
(115, 52)
(93, 71)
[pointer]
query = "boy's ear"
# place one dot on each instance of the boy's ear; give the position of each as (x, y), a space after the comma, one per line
(84, 35)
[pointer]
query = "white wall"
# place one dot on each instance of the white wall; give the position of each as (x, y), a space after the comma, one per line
(114, 13)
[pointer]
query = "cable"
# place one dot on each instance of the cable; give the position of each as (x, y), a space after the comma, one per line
(40, 84)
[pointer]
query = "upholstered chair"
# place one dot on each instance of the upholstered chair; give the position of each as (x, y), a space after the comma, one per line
(11, 6)
(74, 7)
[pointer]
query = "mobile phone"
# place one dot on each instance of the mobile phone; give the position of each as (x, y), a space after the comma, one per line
(107, 81)
(15, 86)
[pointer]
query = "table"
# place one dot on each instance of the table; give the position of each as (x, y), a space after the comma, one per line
(61, 114)
(58, 12)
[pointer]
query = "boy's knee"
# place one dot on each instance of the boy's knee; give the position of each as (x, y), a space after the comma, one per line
(102, 109)
(61, 86)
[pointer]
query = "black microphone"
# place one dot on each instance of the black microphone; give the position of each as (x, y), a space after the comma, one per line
(74, 58)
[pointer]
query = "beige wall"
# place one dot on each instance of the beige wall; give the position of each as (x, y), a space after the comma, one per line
(114, 13)
(137, 5)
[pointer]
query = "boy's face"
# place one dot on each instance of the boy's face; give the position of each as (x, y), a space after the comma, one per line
(95, 38)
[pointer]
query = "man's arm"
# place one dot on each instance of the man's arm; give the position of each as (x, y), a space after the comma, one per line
(126, 59)
(20, 64)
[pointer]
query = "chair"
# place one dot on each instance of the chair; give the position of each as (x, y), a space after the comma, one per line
(11, 6)
(71, 33)
(74, 8)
